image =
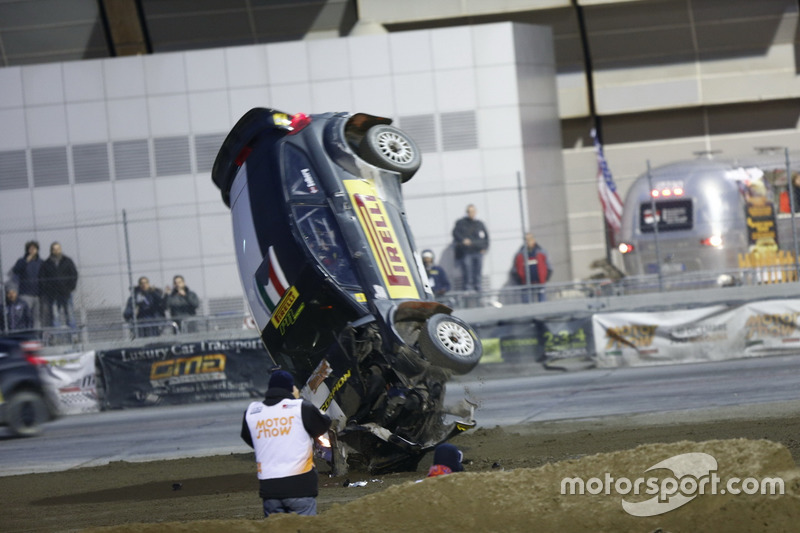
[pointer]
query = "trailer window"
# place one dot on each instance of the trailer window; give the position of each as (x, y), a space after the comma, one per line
(672, 215)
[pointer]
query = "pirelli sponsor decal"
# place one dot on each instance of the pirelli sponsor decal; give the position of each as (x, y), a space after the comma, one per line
(285, 313)
(285, 304)
(382, 239)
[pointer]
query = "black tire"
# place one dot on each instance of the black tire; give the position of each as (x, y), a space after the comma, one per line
(26, 412)
(390, 148)
(449, 342)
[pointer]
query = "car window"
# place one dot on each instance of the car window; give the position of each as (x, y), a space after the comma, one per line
(321, 236)
(301, 179)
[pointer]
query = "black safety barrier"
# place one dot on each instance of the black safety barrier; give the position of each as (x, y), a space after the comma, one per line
(170, 374)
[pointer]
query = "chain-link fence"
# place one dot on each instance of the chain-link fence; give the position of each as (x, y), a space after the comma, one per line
(111, 252)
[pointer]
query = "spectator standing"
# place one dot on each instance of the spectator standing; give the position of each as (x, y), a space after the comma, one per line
(784, 202)
(281, 430)
(532, 258)
(471, 242)
(181, 303)
(17, 312)
(437, 276)
(58, 278)
(147, 305)
(25, 274)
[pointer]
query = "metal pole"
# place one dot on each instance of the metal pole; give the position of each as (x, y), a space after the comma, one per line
(523, 225)
(130, 270)
(791, 209)
(655, 226)
(3, 296)
(525, 293)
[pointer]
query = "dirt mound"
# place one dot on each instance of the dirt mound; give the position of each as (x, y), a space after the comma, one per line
(523, 499)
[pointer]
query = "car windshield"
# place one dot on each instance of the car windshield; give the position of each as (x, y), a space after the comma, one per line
(321, 236)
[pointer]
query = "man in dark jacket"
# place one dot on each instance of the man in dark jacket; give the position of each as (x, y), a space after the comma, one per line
(182, 302)
(58, 278)
(17, 312)
(147, 305)
(281, 430)
(26, 274)
(471, 241)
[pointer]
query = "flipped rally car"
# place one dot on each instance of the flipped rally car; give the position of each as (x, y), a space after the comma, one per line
(335, 284)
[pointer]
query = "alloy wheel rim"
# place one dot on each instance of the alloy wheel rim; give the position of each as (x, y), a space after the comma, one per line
(395, 147)
(455, 338)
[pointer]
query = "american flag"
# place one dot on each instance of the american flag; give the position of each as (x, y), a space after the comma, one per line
(612, 205)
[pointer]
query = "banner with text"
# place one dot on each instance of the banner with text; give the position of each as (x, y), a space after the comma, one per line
(69, 382)
(516, 342)
(168, 374)
(567, 339)
(704, 334)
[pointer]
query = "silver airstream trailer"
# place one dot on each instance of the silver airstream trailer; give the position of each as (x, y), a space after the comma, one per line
(693, 216)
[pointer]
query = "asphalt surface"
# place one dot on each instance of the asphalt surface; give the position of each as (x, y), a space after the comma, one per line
(504, 398)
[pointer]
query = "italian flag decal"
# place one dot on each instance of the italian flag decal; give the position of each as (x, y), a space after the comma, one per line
(276, 285)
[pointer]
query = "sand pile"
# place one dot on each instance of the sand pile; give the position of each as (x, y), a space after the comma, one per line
(528, 499)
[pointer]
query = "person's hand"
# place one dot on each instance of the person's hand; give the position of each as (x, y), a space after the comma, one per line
(467, 242)
(295, 392)
(167, 290)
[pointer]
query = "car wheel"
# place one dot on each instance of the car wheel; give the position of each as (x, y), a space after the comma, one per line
(451, 343)
(26, 411)
(390, 148)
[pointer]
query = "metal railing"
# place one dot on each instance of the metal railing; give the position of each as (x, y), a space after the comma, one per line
(89, 335)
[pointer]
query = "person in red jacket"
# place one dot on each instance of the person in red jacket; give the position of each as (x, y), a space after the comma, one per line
(532, 267)
(281, 430)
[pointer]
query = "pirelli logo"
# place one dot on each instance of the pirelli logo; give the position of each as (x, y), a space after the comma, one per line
(284, 306)
(382, 239)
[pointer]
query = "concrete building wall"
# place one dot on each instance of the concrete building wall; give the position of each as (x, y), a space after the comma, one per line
(81, 143)
(671, 78)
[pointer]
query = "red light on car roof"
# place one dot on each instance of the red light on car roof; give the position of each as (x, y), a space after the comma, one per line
(714, 240)
(677, 191)
(654, 193)
(299, 121)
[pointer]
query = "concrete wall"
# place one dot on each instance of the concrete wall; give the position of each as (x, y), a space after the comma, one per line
(83, 142)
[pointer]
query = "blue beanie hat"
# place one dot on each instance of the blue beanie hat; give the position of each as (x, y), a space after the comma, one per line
(448, 455)
(281, 380)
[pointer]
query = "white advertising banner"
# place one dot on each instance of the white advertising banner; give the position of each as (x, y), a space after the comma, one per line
(771, 327)
(692, 335)
(69, 381)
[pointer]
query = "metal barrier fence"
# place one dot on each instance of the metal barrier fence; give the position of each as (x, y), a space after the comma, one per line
(109, 331)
